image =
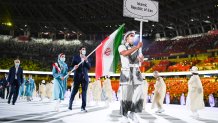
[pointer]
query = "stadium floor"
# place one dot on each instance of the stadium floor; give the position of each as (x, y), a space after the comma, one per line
(35, 111)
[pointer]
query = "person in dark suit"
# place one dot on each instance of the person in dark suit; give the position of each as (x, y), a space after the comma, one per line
(80, 77)
(5, 86)
(1, 89)
(15, 79)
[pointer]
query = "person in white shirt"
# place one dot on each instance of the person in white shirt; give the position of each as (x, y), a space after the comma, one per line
(167, 98)
(131, 80)
(159, 92)
(195, 96)
(97, 91)
(211, 100)
(90, 93)
(145, 93)
(42, 90)
(49, 90)
(107, 88)
(182, 99)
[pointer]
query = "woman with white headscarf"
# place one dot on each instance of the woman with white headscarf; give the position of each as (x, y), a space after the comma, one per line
(107, 88)
(182, 99)
(145, 84)
(211, 100)
(97, 90)
(159, 93)
(195, 96)
(167, 98)
(49, 90)
(42, 90)
(90, 93)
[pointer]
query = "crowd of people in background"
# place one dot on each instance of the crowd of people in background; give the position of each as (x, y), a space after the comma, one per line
(133, 90)
(41, 50)
(186, 45)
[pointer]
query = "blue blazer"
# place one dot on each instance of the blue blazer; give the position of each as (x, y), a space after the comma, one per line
(82, 69)
(11, 75)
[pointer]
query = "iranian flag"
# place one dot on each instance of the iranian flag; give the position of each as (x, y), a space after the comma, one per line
(107, 55)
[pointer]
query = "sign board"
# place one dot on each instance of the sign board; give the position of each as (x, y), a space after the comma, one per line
(141, 9)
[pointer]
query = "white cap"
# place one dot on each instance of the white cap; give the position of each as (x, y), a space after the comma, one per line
(125, 36)
(156, 73)
(194, 69)
(43, 81)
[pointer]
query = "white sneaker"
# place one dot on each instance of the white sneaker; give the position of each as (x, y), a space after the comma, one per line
(159, 111)
(195, 115)
(133, 117)
(56, 109)
(124, 119)
(84, 110)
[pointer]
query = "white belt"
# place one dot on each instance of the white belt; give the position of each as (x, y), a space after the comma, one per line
(125, 69)
(130, 65)
(133, 65)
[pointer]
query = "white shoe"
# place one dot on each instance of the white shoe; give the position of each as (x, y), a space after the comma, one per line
(57, 107)
(133, 117)
(107, 103)
(159, 111)
(195, 115)
(124, 119)
(84, 110)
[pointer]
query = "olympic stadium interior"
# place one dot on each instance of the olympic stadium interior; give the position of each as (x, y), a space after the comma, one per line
(101, 17)
(36, 31)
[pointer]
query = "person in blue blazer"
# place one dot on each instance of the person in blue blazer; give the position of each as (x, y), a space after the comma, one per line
(80, 77)
(15, 79)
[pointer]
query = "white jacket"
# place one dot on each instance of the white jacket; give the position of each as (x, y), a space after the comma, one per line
(159, 92)
(195, 96)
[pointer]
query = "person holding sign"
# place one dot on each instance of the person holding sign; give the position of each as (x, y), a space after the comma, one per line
(131, 81)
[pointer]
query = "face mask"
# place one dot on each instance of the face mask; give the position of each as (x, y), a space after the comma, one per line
(17, 64)
(131, 42)
(83, 52)
(62, 59)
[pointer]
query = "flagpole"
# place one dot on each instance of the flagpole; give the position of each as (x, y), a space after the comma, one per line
(83, 60)
(140, 38)
(141, 25)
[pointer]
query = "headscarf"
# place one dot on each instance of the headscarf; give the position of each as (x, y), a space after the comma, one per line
(61, 63)
(194, 69)
(156, 73)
